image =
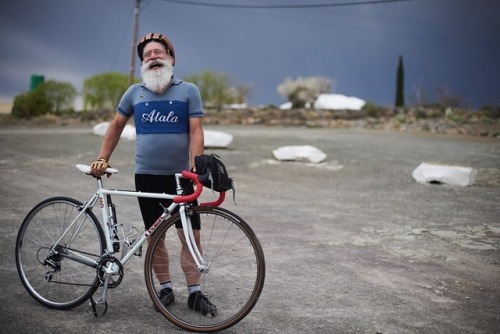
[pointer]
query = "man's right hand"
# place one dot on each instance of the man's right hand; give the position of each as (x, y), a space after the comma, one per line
(98, 167)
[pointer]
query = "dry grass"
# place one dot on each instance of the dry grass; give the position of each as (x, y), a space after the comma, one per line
(461, 122)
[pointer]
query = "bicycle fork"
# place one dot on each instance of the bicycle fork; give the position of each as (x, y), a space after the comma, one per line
(201, 263)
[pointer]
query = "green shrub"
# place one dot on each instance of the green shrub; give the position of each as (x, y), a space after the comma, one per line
(48, 97)
(490, 111)
(420, 114)
(454, 117)
(371, 110)
(400, 118)
(31, 104)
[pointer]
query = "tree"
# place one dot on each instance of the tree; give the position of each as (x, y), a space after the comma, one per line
(104, 91)
(60, 94)
(30, 104)
(400, 77)
(241, 93)
(216, 90)
(49, 97)
(302, 91)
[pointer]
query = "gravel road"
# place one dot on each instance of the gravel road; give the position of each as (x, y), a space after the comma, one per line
(353, 245)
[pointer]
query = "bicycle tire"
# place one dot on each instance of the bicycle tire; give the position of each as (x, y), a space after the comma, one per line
(72, 283)
(235, 278)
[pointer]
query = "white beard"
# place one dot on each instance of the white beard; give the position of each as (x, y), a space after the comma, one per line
(157, 79)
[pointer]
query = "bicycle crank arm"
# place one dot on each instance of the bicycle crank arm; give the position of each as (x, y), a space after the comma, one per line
(99, 307)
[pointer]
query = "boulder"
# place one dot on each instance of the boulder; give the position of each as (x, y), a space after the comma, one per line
(299, 153)
(444, 174)
(213, 139)
(128, 132)
(338, 102)
(217, 139)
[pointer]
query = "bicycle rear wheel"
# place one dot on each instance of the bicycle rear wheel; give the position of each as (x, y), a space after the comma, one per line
(233, 281)
(46, 270)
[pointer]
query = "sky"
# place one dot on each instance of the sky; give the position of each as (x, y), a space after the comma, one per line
(446, 45)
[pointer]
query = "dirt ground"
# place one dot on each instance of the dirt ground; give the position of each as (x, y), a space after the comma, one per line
(353, 245)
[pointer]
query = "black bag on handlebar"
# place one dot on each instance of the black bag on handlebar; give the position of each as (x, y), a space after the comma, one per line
(212, 173)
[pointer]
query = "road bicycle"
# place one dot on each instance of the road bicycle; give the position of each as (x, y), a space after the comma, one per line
(64, 254)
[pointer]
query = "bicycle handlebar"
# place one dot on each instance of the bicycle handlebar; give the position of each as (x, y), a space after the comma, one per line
(218, 202)
(177, 199)
(199, 188)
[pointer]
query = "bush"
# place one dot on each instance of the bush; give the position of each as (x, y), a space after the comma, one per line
(420, 114)
(454, 117)
(49, 97)
(490, 111)
(31, 104)
(372, 110)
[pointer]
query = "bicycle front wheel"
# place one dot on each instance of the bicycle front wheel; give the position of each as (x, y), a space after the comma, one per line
(233, 280)
(62, 275)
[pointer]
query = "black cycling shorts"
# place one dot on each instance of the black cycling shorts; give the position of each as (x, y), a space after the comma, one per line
(150, 207)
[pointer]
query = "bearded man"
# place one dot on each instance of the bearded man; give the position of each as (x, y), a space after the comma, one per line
(168, 119)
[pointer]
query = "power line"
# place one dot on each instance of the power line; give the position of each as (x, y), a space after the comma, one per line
(283, 16)
(317, 5)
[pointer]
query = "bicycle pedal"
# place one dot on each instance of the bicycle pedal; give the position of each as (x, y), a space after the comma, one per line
(97, 309)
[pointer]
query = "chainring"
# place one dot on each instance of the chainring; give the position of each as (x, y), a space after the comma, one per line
(116, 278)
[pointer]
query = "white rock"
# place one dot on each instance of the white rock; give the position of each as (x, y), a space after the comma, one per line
(332, 102)
(338, 101)
(299, 153)
(286, 106)
(128, 132)
(217, 139)
(100, 129)
(453, 175)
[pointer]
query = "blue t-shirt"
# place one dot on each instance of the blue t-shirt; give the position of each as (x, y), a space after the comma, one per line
(162, 125)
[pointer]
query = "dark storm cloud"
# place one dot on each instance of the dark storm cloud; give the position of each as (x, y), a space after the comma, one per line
(452, 44)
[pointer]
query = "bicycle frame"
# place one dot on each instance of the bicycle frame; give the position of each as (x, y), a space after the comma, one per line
(103, 196)
(66, 255)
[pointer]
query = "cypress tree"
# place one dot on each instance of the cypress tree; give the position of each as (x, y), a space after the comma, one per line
(400, 77)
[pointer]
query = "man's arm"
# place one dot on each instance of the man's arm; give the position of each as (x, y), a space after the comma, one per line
(111, 139)
(196, 138)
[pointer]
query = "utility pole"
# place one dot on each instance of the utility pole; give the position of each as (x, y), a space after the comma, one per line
(134, 40)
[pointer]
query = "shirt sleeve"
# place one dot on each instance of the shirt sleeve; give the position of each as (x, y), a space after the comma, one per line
(126, 105)
(195, 102)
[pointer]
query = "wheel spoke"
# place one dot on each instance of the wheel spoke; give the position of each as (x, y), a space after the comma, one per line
(50, 277)
(235, 274)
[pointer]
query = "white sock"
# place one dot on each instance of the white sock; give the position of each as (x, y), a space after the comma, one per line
(166, 285)
(194, 288)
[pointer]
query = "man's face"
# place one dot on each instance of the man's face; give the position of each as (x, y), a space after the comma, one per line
(156, 67)
(154, 50)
